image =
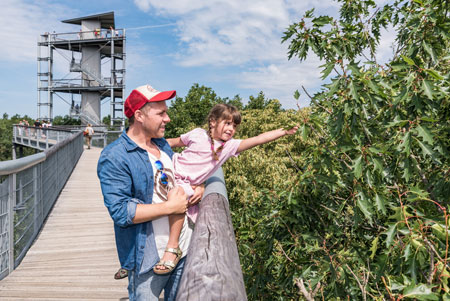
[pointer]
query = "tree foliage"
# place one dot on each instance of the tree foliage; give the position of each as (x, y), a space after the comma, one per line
(66, 120)
(191, 111)
(6, 133)
(363, 212)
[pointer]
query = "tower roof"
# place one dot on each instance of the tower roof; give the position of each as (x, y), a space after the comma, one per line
(106, 20)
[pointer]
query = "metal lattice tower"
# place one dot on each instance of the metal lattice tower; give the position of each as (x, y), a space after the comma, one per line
(98, 43)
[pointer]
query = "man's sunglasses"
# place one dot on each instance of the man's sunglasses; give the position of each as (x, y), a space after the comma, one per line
(163, 179)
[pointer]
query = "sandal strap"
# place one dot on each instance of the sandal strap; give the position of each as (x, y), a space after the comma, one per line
(175, 251)
(168, 264)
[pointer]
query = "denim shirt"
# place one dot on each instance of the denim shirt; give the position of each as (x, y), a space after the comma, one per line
(126, 178)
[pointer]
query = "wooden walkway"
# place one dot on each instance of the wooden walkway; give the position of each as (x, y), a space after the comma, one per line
(74, 256)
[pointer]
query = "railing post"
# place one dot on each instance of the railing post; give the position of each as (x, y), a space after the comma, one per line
(212, 269)
(12, 204)
(14, 155)
(36, 193)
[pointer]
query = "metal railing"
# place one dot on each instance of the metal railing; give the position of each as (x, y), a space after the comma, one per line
(103, 135)
(43, 138)
(28, 189)
(38, 137)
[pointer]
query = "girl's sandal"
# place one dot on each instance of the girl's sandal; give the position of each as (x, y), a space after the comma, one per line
(169, 265)
(121, 273)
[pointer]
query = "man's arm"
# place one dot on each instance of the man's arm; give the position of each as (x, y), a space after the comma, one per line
(264, 138)
(176, 204)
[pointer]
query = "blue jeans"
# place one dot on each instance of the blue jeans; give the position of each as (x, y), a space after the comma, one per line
(148, 287)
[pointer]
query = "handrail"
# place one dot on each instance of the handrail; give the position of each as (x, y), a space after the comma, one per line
(212, 270)
(28, 189)
(17, 165)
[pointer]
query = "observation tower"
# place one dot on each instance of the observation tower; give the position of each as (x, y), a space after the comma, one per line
(84, 68)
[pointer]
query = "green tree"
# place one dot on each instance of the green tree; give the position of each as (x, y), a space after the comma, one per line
(361, 210)
(66, 120)
(106, 120)
(382, 171)
(190, 112)
(6, 135)
(235, 101)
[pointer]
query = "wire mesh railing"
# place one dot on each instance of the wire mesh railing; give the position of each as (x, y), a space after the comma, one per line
(38, 137)
(28, 189)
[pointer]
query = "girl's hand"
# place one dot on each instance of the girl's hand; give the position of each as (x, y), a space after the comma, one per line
(291, 131)
(198, 194)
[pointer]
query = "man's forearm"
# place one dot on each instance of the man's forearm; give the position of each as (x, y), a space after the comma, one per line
(176, 204)
(148, 212)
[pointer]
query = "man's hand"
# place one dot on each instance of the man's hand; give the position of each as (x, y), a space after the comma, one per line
(197, 196)
(177, 200)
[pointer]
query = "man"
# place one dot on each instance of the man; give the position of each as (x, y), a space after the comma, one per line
(88, 133)
(37, 125)
(134, 171)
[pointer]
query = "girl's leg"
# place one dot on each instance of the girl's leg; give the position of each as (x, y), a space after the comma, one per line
(175, 224)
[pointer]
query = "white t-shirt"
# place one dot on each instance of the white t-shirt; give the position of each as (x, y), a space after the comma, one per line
(161, 228)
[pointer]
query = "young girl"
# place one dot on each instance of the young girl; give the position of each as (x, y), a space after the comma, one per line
(205, 152)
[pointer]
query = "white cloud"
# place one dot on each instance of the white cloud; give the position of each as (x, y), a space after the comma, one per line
(243, 36)
(224, 33)
(22, 22)
(282, 79)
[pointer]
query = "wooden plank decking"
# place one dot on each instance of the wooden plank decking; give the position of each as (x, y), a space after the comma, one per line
(74, 257)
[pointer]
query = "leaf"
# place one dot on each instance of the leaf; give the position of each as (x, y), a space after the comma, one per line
(296, 94)
(328, 68)
(309, 13)
(407, 60)
(377, 164)
(396, 123)
(354, 68)
(374, 248)
(429, 50)
(406, 144)
(406, 170)
(369, 178)
(380, 201)
(401, 96)
(434, 74)
(364, 206)
(354, 91)
(357, 167)
(426, 150)
(333, 87)
(427, 89)
(390, 234)
(416, 193)
(290, 199)
(373, 86)
(322, 20)
(399, 66)
(428, 119)
(407, 252)
(421, 292)
(304, 132)
(425, 134)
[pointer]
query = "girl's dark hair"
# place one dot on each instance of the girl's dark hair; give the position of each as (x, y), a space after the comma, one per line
(218, 113)
(223, 111)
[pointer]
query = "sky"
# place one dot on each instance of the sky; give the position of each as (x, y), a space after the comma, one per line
(231, 46)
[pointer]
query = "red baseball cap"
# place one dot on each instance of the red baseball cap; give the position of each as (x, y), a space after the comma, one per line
(143, 94)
